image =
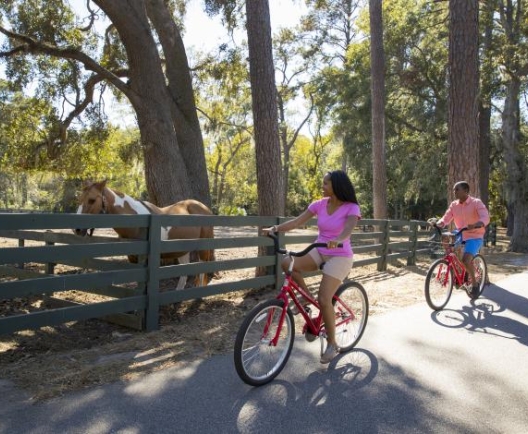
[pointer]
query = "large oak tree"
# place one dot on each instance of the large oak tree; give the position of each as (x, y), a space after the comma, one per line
(141, 56)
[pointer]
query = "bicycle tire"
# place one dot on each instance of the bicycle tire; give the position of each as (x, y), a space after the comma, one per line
(256, 361)
(481, 275)
(351, 306)
(438, 284)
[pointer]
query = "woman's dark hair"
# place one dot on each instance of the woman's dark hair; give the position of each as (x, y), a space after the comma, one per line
(342, 186)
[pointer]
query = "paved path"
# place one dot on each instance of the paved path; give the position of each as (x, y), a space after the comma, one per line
(463, 370)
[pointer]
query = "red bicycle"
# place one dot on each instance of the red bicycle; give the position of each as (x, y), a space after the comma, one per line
(449, 271)
(265, 339)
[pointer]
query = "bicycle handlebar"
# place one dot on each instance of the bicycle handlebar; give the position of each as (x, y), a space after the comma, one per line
(457, 234)
(273, 236)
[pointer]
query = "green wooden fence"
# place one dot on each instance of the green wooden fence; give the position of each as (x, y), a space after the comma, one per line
(131, 292)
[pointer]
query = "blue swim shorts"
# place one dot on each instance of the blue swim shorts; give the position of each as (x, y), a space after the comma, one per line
(473, 246)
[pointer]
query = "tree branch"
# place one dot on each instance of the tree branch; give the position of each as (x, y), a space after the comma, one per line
(33, 46)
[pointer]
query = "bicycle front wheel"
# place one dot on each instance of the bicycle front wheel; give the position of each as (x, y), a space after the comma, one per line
(438, 284)
(351, 309)
(481, 275)
(258, 359)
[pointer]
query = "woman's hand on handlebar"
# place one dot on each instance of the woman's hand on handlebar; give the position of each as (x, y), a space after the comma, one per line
(271, 229)
(332, 244)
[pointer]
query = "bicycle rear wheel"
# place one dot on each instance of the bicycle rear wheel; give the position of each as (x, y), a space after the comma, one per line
(438, 284)
(481, 275)
(257, 359)
(351, 308)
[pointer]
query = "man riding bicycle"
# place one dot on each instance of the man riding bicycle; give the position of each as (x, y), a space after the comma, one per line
(466, 211)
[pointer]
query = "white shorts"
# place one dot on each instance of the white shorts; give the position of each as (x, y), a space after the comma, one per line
(334, 266)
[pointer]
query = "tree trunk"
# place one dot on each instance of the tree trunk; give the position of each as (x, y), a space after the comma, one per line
(485, 149)
(283, 140)
(463, 126)
(515, 68)
(486, 71)
(183, 104)
(264, 103)
(517, 172)
(377, 68)
(164, 104)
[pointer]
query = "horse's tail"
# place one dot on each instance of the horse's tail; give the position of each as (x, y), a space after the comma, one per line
(207, 255)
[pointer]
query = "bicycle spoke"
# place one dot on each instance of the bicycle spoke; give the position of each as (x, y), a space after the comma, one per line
(263, 345)
(438, 284)
(351, 306)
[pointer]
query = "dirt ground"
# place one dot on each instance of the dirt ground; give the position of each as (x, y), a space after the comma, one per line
(54, 360)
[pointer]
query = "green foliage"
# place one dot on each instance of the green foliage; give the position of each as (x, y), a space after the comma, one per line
(415, 108)
(224, 101)
(327, 59)
(30, 163)
(23, 131)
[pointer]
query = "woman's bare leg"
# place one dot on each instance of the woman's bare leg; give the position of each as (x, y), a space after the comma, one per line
(327, 289)
(302, 264)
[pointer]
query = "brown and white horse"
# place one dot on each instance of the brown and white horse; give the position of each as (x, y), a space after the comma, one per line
(97, 198)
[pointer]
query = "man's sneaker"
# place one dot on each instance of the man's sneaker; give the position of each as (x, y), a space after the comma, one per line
(329, 354)
(474, 292)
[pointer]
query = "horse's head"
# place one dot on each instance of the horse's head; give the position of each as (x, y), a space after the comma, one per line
(91, 201)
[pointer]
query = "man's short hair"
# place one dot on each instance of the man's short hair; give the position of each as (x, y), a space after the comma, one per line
(462, 184)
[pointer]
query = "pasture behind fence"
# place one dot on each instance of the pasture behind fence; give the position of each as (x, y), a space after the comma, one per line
(129, 294)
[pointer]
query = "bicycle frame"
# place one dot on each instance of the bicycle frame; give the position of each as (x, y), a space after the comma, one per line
(288, 292)
(312, 325)
(451, 256)
(455, 264)
(265, 339)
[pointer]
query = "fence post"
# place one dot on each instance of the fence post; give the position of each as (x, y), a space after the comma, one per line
(153, 264)
(21, 265)
(278, 259)
(490, 236)
(382, 266)
(50, 266)
(413, 239)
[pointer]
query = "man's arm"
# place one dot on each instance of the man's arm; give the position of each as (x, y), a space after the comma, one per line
(446, 218)
(483, 215)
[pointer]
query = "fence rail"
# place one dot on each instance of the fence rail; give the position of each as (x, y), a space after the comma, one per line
(130, 293)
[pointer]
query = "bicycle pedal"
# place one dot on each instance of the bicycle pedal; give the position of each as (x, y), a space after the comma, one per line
(310, 337)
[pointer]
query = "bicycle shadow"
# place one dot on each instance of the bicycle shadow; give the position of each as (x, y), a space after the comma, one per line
(334, 399)
(354, 369)
(484, 315)
(294, 402)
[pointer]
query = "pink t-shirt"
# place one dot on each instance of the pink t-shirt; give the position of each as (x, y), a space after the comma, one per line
(466, 213)
(330, 226)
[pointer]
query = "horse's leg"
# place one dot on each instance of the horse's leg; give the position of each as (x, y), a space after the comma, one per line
(207, 255)
(183, 279)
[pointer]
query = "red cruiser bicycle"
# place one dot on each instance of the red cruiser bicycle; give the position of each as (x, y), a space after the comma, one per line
(265, 339)
(449, 271)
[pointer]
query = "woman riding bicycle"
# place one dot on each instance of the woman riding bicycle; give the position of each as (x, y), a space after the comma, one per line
(467, 211)
(337, 215)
